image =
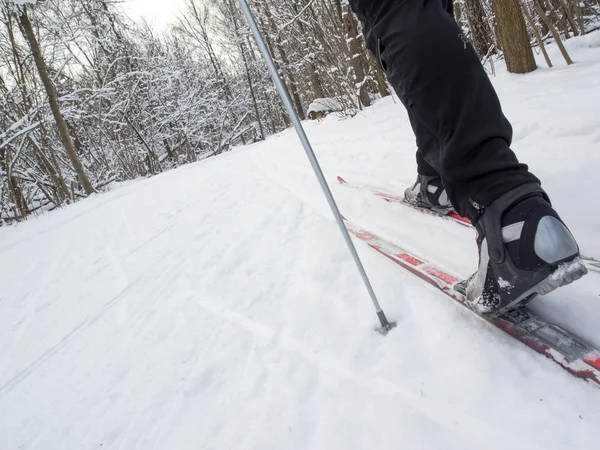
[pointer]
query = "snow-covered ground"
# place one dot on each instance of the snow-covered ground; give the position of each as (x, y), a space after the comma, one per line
(216, 307)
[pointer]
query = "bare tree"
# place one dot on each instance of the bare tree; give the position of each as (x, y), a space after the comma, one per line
(53, 100)
(514, 38)
(552, 28)
(481, 33)
(538, 36)
(134, 103)
(357, 56)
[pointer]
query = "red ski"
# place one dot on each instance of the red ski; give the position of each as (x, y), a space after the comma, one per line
(561, 346)
(399, 199)
(591, 263)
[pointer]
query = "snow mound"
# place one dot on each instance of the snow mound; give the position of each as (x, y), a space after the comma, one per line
(324, 106)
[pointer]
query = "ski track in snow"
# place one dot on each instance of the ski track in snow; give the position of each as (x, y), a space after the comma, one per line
(215, 306)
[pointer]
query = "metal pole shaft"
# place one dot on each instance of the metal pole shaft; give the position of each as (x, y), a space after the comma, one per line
(287, 101)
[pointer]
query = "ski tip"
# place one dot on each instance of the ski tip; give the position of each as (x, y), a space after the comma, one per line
(341, 180)
(593, 359)
(460, 218)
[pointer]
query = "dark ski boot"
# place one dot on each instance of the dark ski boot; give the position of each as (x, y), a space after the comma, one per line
(524, 250)
(429, 193)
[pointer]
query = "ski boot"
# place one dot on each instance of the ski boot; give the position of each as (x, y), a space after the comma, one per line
(429, 193)
(525, 250)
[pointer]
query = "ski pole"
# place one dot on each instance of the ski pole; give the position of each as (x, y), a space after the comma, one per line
(285, 97)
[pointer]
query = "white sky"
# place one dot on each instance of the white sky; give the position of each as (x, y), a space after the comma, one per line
(158, 12)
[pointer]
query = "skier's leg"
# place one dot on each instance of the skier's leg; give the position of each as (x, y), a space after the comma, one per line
(525, 249)
(439, 78)
(426, 143)
(449, 6)
(423, 167)
(428, 190)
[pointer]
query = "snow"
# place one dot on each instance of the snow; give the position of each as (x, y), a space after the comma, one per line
(216, 307)
(325, 105)
(17, 5)
(23, 2)
(504, 284)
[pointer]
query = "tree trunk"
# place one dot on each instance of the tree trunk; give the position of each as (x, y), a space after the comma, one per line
(537, 33)
(458, 14)
(53, 100)
(378, 75)
(553, 30)
(54, 172)
(241, 46)
(356, 55)
(313, 76)
(579, 14)
(315, 82)
(252, 94)
(292, 81)
(543, 25)
(514, 37)
(481, 33)
(557, 18)
(569, 17)
(20, 209)
(286, 66)
(284, 115)
(151, 157)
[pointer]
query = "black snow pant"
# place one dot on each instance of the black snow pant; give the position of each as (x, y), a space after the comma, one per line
(461, 132)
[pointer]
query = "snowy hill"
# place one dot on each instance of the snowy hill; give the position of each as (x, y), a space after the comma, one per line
(216, 307)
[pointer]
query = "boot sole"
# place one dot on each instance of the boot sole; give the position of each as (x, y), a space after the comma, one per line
(419, 204)
(565, 274)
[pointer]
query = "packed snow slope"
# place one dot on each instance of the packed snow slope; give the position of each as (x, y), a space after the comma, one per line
(216, 306)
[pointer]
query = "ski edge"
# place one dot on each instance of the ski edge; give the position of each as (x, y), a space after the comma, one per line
(392, 198)
(582, 361)
(590, 262)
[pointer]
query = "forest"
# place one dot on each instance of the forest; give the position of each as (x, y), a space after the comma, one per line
(90, 97)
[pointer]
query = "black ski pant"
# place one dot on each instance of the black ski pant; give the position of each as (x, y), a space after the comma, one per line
(461, 132)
